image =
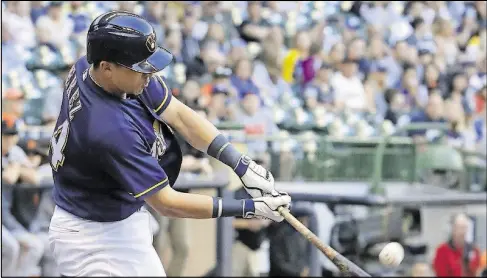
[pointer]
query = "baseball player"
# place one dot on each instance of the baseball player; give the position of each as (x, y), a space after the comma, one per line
(113, 150)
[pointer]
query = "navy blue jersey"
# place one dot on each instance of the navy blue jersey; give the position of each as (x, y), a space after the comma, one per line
(106, 151)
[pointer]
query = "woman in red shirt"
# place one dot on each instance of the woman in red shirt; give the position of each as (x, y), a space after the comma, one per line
(456, 257)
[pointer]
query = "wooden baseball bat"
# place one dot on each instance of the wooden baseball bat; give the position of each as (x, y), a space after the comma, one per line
(344, 265)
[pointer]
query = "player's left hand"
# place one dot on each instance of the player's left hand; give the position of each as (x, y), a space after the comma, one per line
(257, 180)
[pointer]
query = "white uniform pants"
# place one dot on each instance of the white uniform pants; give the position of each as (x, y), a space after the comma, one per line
(87, 248)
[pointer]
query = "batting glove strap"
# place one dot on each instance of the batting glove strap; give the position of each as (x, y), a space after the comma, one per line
(242, 165)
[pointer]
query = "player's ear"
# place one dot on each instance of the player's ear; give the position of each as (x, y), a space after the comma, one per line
(106, 67)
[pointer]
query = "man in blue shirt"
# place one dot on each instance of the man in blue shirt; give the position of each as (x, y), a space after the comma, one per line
(113, 150)
(433, 113)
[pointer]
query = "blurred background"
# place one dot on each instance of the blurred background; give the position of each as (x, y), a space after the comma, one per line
(370, 113)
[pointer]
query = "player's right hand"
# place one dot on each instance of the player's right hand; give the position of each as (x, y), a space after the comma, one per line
(266, 207)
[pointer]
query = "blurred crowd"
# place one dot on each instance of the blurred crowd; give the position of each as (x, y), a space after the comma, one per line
(343, 68)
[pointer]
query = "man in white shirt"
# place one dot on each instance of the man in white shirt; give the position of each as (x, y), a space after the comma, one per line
(55, 27)
(17, 18)
(349, 90)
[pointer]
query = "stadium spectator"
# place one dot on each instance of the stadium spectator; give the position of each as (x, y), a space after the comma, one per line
(42, 211)
(17, 16)
(446, 40)
(395, 63)
(257, 121)
(27, 249)
(254, 28)
(221, 80)
(173, 41)
(308, 63)
(238, 51)
(434, 112)
(55, 28)
(218, 12)
(241, 78)
(396, 106)
(457, 257)
(216, 33)
(37, 10)
(356, 51)
(433, 79)
(217, 110)
(375, 86)
(205, 63)
(320, 89)
(349, 89)
(294, 59)
(267, 76)
(415, 93)
(191, 95)
(13, 103)
(336, 55)
(420, 32)
(81, 22)
(191, 46)
(12, 56)
(458, 135)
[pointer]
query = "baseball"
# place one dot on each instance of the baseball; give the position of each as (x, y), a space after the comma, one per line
(392, 254)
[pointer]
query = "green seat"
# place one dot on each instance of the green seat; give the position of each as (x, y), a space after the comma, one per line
(440, 157)
(440, 165)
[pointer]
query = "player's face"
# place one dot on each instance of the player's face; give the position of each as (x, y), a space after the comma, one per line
(128, 81)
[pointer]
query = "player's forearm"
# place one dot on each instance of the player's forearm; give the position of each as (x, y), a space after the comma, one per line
(172, 203)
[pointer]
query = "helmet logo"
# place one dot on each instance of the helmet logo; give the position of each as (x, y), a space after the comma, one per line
(151, 42)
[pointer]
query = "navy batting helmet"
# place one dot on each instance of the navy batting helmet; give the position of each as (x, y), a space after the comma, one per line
(128, 40)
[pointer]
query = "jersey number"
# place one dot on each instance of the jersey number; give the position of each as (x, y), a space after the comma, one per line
(58, 143)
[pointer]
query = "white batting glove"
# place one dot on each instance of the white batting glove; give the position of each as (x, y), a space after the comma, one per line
(257, 180)
(266, 207)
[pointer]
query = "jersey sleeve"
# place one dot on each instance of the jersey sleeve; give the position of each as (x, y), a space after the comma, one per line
(159, 94)
(128, 161)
